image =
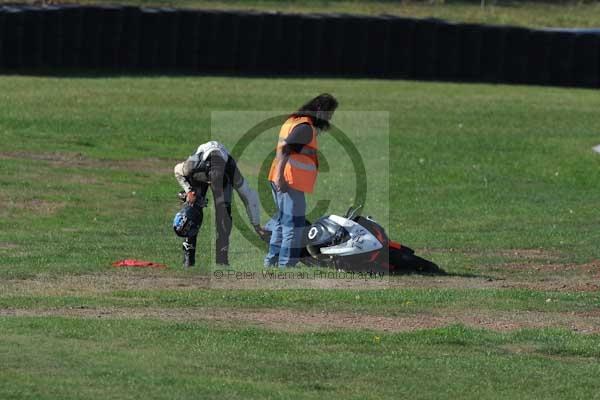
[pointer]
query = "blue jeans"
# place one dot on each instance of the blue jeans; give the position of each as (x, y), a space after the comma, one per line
(289, 222)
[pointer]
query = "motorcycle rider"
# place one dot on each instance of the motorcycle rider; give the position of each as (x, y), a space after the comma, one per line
(212, 166)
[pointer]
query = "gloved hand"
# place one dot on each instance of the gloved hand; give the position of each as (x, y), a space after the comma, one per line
(191, 197)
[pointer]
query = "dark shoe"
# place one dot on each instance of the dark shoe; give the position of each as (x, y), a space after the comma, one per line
(189, 255)
(222, 258)
(188, 262)
(286, 266)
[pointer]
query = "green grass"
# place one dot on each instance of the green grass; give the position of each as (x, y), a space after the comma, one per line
(68, 358)
(479, 168)
(476, 177)
(520, 13)
(369, 302)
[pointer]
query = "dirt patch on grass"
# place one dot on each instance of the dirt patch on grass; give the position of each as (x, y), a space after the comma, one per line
(550, 284)
(528, 254)
(81, 180)
(591, 267)
(296, 320)
(146, 279)
(100, 283)
(297, 280)
(39, 206)
(519, 348)
(521, 254)
(561, 284)
(78, 160)
(300, 321)
(35, 206)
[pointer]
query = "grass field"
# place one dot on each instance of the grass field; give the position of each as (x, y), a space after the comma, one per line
(497, 184)
(520, 13)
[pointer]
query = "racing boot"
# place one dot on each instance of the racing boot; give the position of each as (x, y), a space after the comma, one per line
(189, 253)
(222, 257)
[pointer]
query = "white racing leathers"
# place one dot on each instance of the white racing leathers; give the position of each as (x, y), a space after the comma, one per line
(213, 167)
(193, 172)
(251, 201)
(207, 148)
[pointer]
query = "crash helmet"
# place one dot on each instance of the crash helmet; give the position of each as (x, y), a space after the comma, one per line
(187, 221)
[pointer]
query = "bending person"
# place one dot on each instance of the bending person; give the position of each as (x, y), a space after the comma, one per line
(212, 166)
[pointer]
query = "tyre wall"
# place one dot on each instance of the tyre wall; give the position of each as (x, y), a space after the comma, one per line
(159, 40)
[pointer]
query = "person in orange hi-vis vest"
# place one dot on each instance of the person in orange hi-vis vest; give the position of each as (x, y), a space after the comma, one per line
(294, 173)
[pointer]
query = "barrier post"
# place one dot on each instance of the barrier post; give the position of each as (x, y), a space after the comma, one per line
(378, 45)
(492, 53)
(538, 66)
(271, 46)
(448, 53)
(470, 47)
(561, 58)
(130, 43)
(13, 38)
(249, 42)
(33, 37)
(401, 50)
(72, 33)
(586, 60)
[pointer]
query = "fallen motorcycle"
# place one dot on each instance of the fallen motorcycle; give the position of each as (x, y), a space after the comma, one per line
(356, 243)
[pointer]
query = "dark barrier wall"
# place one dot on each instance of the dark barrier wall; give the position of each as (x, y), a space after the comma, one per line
(130, 39)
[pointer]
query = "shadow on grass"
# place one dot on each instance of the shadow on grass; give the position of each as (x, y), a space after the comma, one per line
(443, 273)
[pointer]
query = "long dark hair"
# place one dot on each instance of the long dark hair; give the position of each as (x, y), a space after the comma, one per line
(322, 105)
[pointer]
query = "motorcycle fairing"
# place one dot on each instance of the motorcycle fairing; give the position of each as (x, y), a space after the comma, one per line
(360, 239)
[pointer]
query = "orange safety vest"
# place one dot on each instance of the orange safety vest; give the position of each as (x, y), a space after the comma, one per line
(300, 172)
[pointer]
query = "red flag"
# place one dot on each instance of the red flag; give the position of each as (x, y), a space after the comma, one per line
(137, 263)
